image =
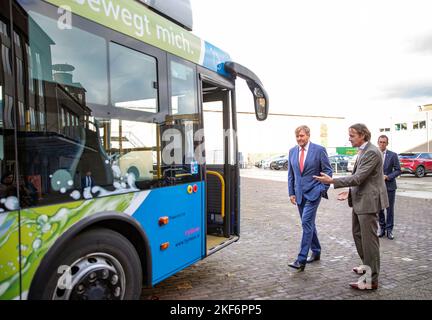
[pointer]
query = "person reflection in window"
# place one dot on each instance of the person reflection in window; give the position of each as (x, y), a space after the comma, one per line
(87, 183)
(7, 188)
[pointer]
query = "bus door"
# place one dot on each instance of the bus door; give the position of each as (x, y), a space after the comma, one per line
(221, 169)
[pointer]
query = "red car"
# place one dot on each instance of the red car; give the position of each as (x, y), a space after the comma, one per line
(416, 163)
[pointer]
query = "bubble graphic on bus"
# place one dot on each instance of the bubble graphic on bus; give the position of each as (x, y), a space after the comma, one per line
(37, 244)
(11, 203)
(76, 195)
(61, 179)
(116, 171)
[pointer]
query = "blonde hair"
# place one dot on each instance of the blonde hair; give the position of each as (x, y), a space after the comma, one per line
(303, 128)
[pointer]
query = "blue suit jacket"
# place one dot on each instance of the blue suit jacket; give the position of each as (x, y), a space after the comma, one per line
(392, 169)
(303, 184)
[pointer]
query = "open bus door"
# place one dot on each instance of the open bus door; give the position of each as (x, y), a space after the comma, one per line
(221, 145)
(221, 169)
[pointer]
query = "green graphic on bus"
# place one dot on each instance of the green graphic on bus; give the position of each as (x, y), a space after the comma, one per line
(135, 20)
(40, 228)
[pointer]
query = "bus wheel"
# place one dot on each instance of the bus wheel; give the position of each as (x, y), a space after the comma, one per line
(99, 264)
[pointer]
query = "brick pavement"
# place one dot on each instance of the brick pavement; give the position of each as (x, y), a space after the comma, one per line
(256, 267)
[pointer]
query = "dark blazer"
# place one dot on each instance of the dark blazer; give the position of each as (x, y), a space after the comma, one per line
(83, 182)
(303, 184)
(368, 193)
(392, 169)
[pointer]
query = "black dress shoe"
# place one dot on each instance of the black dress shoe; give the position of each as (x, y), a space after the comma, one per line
(381, 233)
(297, 265)
(313, 257)
(390, 235)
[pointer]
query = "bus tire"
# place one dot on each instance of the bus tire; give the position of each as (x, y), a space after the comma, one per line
(97, 264)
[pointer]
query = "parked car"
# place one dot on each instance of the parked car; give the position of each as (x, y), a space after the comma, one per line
(416, 163)
(280, 163)
(258, 164)
(266, 163)
(339, 162)
(351, 163)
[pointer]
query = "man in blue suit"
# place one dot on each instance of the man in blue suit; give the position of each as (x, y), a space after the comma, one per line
(391, 169)
(87, 181)
(305, 161)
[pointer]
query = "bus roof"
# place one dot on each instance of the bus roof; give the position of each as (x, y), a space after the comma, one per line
(136, 20)
(179, 11)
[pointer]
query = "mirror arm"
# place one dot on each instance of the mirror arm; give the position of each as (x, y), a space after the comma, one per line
(254, 84)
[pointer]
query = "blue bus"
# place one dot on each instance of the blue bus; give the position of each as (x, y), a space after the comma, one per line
(108, 180)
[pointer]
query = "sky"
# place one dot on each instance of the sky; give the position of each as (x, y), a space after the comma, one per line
(359, 59)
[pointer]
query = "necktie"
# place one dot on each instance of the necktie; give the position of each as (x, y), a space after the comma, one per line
(88, 181)
(302, 160)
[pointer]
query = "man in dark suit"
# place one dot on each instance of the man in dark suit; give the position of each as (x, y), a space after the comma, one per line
(392, 170)
(304, 161)
(367, 196)
(87, 181)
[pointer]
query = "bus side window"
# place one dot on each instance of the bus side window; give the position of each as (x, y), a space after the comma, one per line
(181, 139)
(183, 88)
(58, 78)
(133, 78)
(133, 149)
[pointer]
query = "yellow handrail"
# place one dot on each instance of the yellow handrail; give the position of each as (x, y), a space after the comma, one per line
(221, 178)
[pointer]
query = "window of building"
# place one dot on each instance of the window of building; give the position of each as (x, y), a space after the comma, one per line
(32, 119)
(3, 28)
(419, 125)
(41, 120)
(6, 59)
(1, 108)
(8, 112)
(39, 74)
(21, 112)
(63, 118)
(401, 126)
(30, 68)
(20, 75)
(16, 39)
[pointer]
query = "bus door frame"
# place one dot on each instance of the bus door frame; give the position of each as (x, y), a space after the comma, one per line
(231, 171)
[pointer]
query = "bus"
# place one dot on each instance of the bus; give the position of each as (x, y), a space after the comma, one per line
(118, 147)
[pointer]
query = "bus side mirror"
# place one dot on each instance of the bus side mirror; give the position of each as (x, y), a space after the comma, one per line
(260, 99)
(260, 95)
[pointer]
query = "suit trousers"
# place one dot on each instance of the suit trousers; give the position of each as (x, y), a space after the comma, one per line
(364, 229)
(387, 224)
(307, 210)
